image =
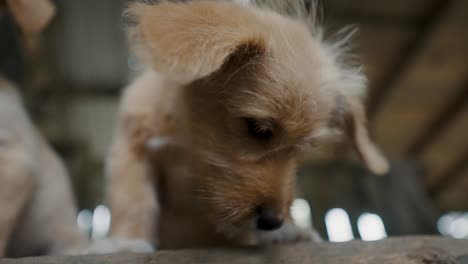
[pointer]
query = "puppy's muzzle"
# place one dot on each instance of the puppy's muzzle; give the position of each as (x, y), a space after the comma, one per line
(267, 219)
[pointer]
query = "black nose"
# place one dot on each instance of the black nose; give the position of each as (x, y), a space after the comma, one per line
(267, 220)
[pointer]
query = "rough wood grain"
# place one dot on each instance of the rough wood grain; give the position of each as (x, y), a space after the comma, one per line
(412, 250)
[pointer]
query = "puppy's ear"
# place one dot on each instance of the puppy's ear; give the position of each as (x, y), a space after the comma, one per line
(188, 41)
(350, 117)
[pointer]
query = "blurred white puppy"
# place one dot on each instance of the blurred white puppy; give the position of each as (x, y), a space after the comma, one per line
(38, 215)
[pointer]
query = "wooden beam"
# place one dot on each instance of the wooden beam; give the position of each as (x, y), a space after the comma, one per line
(380, 91)
(434, 75)
(378, 20)
(410, 250)
(98, 91)
(69, 89)
(437, 125)
(400, 8)
(451, 177)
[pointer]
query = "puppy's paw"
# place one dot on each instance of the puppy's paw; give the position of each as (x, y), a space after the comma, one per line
(289, 233)
(115, 245)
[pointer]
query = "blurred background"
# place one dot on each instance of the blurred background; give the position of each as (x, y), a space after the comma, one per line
(415, 54)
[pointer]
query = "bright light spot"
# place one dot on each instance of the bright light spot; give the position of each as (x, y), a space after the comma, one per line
(338, 225)
(85, 220)
(301, 214)
(444, 222)
(371, 227)
(101, 222)
(459, 228)
(454, 224)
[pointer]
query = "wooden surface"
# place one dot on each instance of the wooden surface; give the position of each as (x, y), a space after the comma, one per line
(412, 250)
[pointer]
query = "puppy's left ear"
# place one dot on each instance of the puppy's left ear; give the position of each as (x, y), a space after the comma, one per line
(350, 117)
(189, 41)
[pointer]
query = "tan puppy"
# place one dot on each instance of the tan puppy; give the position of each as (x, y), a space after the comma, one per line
(38, 215)
(211, 133)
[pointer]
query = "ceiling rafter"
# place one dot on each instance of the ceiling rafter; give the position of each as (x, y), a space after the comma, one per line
(451, 177)
(380, 90)
(441, 121)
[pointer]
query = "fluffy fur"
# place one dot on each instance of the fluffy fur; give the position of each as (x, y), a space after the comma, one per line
(38, 215)
(214, 127)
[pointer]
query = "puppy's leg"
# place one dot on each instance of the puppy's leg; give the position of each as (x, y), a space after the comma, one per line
(131, 189)
(16, 185)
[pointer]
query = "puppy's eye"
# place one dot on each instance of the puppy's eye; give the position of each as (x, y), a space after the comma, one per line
(261, 130)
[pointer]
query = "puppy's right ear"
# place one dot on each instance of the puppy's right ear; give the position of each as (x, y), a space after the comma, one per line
(351, 118)
(189, 41)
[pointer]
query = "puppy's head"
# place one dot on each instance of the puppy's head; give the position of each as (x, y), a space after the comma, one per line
(259, 87)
